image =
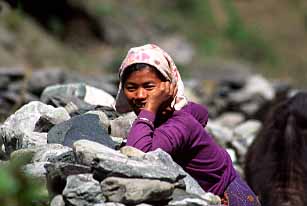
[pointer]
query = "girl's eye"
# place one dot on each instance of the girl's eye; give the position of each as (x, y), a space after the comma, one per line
(150, 87)
(130, 88)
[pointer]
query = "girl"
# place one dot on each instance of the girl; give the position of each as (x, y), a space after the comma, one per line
(151, 86)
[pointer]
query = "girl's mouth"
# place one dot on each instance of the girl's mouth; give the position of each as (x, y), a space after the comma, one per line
(138, 106)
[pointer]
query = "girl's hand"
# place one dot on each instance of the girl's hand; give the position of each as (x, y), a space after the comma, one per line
(161, 96)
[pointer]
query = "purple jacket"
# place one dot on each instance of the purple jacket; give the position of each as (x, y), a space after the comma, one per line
(183, 136)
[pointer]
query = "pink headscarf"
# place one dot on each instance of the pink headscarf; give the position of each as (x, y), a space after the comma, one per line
(153, 55)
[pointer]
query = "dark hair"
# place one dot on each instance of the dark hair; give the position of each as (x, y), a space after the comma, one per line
(137, 67)
(276, 160)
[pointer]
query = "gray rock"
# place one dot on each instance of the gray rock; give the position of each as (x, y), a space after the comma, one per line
(34, 139)
(121, 125)
(15, 139)
(134, 191)
(104, 120)
(221, 134)
(249, 91)
(251, 108)
(109, 111)
(191, 186)
(191, 95)
(132, 152)
(82, 190)
(85, 126)
(36, 170)
(104, 82)
(230, 119)
(44, 124)
(247, 131)
(232, 155)
(73, 105)
(49, 152)
(89, 94)
(110, 163)
(13, 73)
(42, 78)
(67, 157)
(99, 97)
(119, 142)
(243, 136)
(11, 140)
(43, 153)
(57, 201)
(27, 116)
(4, 81)
(211, 198)
(57, 174)
(86, 151)
(63, 90)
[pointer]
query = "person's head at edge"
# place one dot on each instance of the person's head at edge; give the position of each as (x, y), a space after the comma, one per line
(149, 79)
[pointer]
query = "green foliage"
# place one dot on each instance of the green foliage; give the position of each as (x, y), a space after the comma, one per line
(103, 9)
(208, 34)
(201, 27)
(184, 71)
(185, 6)
(17, 189)
(248, 43)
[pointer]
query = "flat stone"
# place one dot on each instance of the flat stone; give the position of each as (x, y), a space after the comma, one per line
(110, 163)
(85, 126)
(83, 190)
(135, 191)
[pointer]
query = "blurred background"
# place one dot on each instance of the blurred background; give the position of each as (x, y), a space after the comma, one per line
(208, 38)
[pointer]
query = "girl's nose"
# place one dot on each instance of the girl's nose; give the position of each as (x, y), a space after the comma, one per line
(141, 93)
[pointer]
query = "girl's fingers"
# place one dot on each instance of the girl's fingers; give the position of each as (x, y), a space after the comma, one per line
(171, 89)
(167, 87)
(167, 90)
(162, 86)
(175, 90)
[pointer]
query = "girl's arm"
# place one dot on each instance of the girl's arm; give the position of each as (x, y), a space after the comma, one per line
(170, 137)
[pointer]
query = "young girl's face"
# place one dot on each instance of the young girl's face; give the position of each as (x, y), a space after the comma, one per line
(139, 86)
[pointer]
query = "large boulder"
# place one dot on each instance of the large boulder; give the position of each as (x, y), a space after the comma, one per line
(28, 115)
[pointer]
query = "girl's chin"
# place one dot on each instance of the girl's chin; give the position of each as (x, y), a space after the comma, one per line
(137, 110)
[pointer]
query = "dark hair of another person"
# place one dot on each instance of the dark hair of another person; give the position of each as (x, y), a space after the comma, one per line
(276, 160)
(138, 67)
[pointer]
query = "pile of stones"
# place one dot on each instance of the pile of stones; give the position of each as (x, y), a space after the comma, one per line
(77, 143)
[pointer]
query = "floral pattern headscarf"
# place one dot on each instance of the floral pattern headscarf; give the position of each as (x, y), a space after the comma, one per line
(153, 55)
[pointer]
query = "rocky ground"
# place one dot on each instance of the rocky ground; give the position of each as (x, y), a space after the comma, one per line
(66, 123)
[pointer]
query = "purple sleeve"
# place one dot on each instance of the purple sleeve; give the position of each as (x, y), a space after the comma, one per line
(199, 112)
(142, 135)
